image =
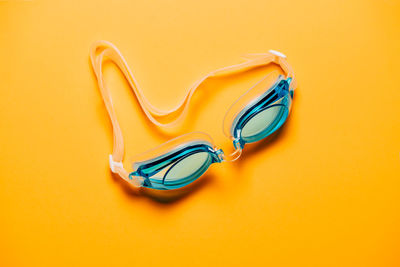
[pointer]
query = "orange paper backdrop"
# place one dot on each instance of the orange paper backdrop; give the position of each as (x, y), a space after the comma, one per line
(323, 192)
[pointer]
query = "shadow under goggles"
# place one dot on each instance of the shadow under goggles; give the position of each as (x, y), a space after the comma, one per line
(254, 116)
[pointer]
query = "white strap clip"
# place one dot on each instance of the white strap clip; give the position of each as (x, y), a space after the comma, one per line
(279, 54)
(114, 164)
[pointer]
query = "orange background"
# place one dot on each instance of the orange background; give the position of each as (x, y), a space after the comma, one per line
(324, 192)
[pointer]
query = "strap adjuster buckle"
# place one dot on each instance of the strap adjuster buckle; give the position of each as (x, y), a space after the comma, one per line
(114, 164)
(277, 53)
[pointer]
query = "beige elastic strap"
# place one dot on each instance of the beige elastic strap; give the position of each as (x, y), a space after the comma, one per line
(101, 49)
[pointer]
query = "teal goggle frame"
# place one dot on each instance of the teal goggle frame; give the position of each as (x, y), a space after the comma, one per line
(254, 116)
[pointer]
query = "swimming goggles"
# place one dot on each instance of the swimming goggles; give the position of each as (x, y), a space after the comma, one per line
(180, 161)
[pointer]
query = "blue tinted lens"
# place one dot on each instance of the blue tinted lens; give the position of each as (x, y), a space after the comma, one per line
(188, 169)
(264, 123)
(177, 168)
(264, 116)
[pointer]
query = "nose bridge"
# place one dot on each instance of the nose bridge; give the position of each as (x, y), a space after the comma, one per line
(232, 156)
